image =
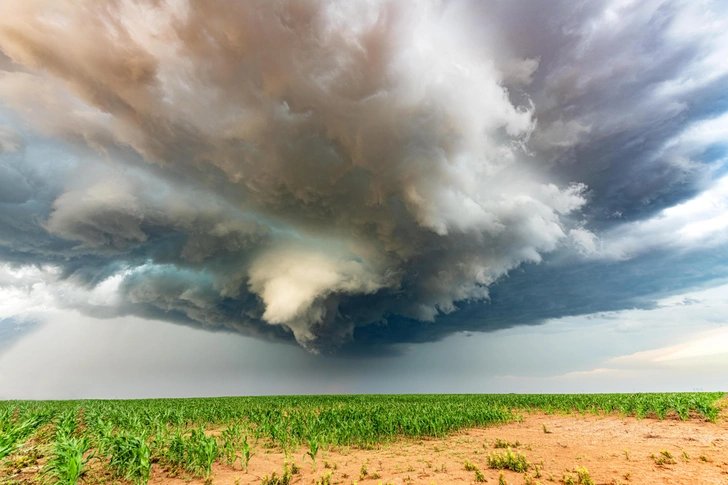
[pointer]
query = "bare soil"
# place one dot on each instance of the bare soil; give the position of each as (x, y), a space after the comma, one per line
(614, 450)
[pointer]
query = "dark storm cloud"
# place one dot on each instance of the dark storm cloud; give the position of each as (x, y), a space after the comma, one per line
(537, 293)
(352, 175)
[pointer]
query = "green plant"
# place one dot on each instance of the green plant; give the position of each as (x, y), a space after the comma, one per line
(14, 433)
(499, 443)
(363, 471)
(313, 449)
(192, 451)
(274, 479)
(325, 479)
(508, 460)
(545, 429)
(230, 444)
(471, 467)
(479, 477)
(24, 459)
(685, 456)
(502, 479)
(583, 476)
(68, 460)
(664, 458)
(283, 479)
(130, 457)
(246, 453)
(204, 451)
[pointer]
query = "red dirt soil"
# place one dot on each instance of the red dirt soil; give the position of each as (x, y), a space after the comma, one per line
(614, 450)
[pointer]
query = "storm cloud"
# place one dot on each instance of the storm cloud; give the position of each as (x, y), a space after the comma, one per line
(349, 175)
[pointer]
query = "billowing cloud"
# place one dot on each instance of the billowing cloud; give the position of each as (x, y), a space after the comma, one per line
(323, 171)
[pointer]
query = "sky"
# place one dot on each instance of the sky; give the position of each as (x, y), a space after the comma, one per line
(203, 198)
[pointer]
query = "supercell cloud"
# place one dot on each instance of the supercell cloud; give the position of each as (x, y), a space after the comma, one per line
(323, 171)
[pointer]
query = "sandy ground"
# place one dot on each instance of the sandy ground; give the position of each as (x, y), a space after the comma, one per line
(614, 450)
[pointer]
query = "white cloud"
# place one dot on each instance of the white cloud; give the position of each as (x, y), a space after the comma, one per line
(294, 284)
(713, 343)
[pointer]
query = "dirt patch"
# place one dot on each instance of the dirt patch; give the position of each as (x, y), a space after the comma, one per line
(612, 449)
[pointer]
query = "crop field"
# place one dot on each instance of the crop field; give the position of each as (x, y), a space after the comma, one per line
(221, 440)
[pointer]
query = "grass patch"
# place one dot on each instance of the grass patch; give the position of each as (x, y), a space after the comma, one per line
(499, 443)
(508, 460)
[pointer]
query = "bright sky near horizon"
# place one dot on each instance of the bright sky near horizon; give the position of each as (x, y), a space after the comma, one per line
(310, 196)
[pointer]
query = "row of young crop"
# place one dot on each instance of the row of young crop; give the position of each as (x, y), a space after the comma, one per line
(220, 410)
(126, 437)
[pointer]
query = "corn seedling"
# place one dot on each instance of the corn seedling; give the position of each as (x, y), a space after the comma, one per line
(68, 461)
(246, 453)
(313, 449)
(12, 437)
(130, 458)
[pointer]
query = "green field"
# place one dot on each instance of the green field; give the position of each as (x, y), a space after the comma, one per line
(67, 438)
